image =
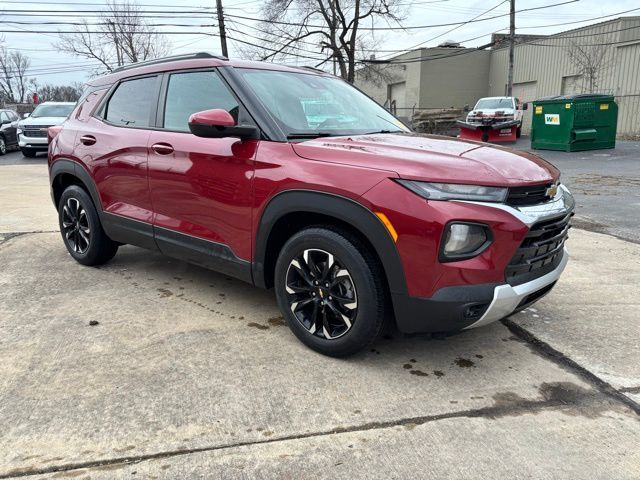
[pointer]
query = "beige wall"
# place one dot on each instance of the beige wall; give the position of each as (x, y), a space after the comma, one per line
(455, 81)
(548, 65)
(539, 71)
(434, 82)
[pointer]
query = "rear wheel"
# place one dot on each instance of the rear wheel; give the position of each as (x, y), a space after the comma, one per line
(330, 291)
(28, 152)
(81, 230)
(3, 145)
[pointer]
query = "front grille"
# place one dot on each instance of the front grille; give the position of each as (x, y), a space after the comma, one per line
(528, 195)
(38, 131)
(541, 250)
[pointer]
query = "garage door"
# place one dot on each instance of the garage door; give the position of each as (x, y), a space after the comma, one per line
(527, 92)
(397, 96)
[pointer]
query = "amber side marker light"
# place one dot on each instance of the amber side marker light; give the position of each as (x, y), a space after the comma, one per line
(387, 223)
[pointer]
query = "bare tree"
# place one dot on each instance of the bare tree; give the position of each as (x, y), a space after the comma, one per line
(58, 93)
(590, 62)
(13, 75)
(120, 36)
(323, 27)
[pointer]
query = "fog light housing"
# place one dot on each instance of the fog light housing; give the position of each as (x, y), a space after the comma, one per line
(463, 240)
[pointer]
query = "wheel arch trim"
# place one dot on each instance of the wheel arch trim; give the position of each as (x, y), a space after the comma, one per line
(341, 208)
(71, 167)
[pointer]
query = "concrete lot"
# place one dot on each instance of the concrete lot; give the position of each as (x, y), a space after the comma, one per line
(189, 374)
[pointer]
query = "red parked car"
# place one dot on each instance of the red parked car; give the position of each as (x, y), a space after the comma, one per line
(346, 213)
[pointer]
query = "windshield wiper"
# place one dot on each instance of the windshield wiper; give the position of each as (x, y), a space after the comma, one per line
(294, 136)
(382, 131)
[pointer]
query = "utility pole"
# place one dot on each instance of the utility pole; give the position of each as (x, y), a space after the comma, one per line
(512, 41)
(223, 35)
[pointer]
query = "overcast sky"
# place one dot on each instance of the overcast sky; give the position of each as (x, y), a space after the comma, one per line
(46, 61)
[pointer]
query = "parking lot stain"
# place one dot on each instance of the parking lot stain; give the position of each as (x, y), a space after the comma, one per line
(164, 293)
(464, 362)
(419, 373)
(259, 326)
(407, 366)
(438, 373)
(276, 322)
(479, 356)
(93, 323)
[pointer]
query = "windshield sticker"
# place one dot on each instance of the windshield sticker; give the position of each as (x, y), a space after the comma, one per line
(551, 119)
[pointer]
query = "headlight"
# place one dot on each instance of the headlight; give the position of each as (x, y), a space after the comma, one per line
(19, 130)
(462, 240)
(454, 191)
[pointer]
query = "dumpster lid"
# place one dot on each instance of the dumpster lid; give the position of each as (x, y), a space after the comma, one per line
(576, 96)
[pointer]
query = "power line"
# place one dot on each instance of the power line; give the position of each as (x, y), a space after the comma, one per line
(455, 28)
(410, 27)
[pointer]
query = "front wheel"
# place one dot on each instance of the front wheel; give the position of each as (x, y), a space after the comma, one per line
(330, 290)
(3, 145)
(518, 132)
(81, 230)
(28, 152)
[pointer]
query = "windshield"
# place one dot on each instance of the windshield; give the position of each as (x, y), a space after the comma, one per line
(307, 105)
(52, 110)
(492, 103)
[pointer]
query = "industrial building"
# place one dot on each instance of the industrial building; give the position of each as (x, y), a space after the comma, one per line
(603, 58)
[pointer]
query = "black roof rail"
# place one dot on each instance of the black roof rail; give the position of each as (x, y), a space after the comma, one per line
(173, 58)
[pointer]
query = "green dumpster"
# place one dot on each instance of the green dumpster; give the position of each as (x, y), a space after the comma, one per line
(574, 122)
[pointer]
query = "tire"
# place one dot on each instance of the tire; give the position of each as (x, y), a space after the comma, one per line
(518, 132)
(81, 230)
(3, 146)
(349, 315)
(28, 152)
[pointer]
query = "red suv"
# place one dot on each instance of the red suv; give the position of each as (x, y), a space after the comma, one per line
(293, 179)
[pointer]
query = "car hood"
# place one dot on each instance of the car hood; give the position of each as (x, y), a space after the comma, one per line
(432, 158)
(492, 111)
(44, 121)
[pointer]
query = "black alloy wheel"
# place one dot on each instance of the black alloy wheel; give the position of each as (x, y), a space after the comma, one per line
(321, 294)
(330, 289)
(81, 230)
(75, 226)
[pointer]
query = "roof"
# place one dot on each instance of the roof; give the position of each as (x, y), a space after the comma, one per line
(194, 60)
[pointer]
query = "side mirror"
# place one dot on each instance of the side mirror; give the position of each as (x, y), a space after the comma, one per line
(25, 115)
(525, 106)
(218, 123)
(466, 108)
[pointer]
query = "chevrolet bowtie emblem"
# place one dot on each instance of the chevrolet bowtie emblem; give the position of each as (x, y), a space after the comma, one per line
(551, 191)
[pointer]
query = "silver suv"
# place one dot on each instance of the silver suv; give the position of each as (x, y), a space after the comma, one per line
(32, 131)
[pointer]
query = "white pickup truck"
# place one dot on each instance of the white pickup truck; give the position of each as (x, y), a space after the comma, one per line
(497, 110)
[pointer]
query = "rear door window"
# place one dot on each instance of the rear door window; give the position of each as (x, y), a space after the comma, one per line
(132, 103)
(192, 92)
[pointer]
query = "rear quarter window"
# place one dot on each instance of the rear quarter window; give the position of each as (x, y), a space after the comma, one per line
(132, 102)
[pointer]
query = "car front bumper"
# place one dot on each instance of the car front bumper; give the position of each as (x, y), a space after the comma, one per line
(40, 143)
(509, 299)
(460, 307)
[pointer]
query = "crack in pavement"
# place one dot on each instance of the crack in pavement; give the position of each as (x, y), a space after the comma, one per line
(547, 351)
(500, 409)
(6, 236)
(630, 390)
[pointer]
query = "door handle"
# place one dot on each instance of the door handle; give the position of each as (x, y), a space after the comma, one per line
(87, 139)
(162, 148)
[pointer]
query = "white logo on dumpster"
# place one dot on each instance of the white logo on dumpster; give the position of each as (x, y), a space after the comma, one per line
(551, 119)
